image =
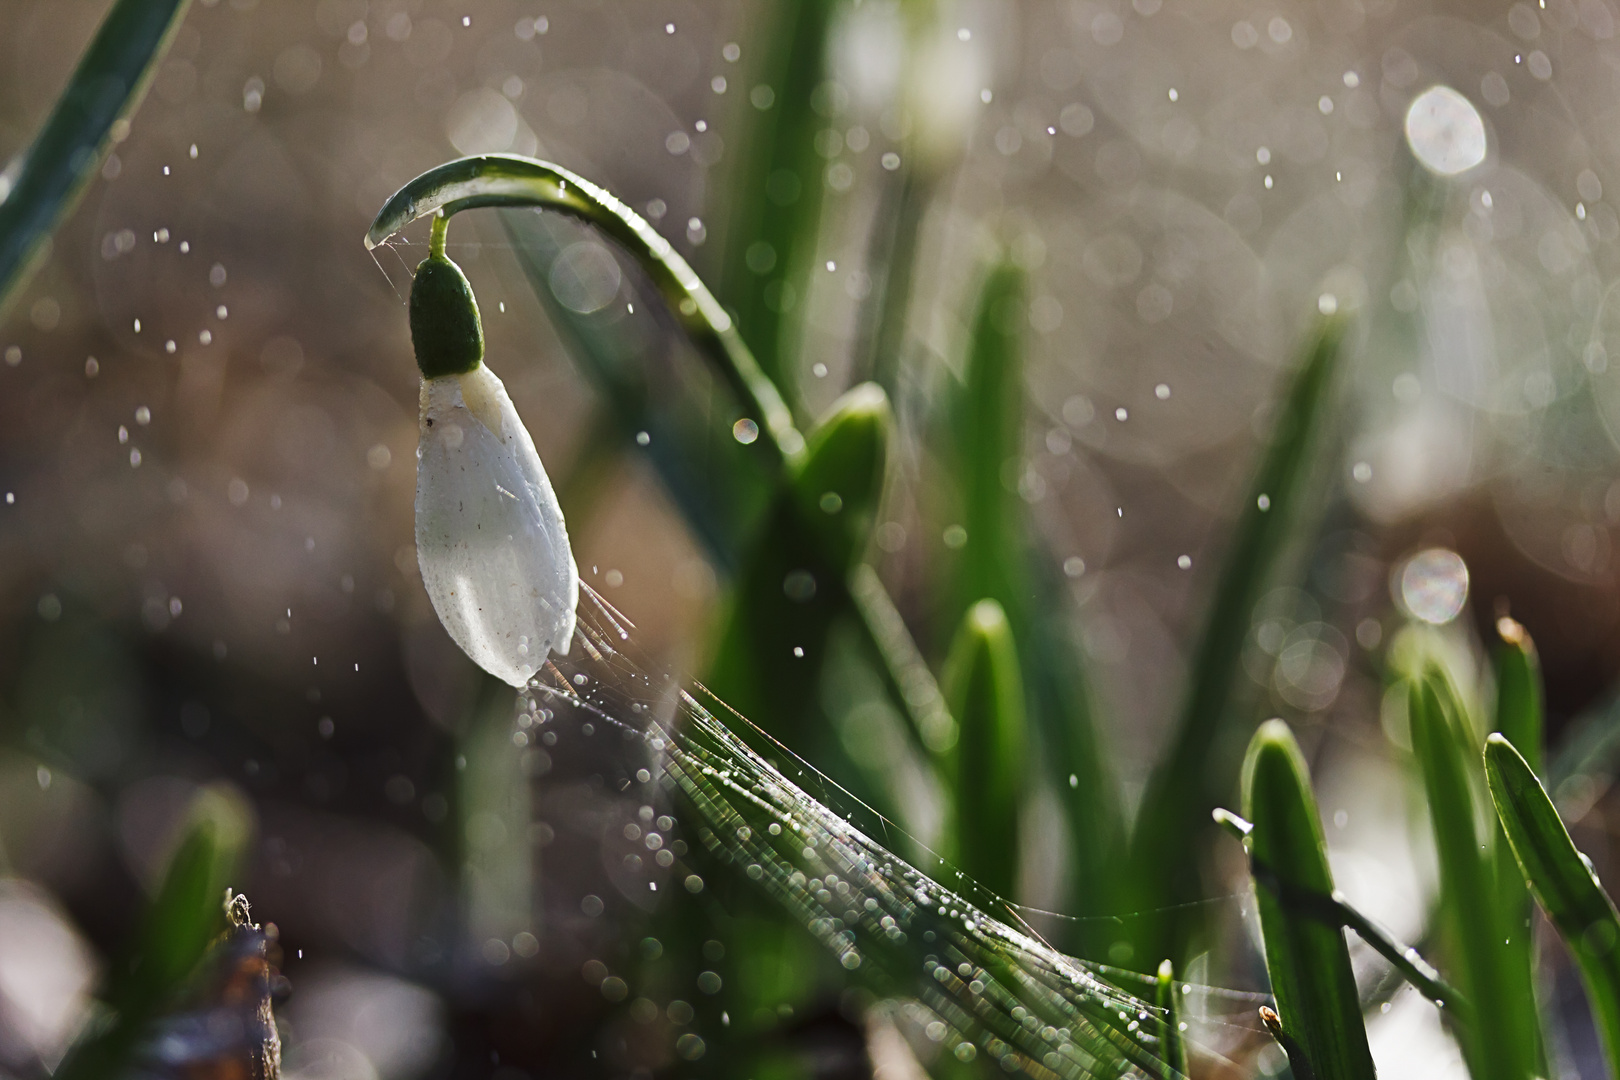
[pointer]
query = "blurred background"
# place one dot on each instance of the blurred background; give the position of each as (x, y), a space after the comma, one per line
(207, 432)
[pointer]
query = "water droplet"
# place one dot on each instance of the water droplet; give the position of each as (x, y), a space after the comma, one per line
(1184, 562)
(1263, 502)
(745, 431)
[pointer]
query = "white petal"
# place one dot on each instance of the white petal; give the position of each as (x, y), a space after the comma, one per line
(490, 537)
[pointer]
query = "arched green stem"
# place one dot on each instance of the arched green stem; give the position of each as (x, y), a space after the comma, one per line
(507, 180)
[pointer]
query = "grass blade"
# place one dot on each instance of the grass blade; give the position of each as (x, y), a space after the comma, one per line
(984, 690)
(1200, 767)
(1519, 698)
(1563, 882)
(1307, 959)
(1172, 1040)
(1503, 1044)
(1519, 712)
(38, 188)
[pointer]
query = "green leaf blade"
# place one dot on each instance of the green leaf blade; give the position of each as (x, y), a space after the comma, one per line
(38, 189)
(1503, 1044)
(1198, 771)
(1563, 882)
(841, 480)
(1172, 1040)
(1520, 707)
(987, 411)
(984, 691)
(1309, 964)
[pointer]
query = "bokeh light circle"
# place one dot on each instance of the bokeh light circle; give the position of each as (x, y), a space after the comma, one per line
(1433, 585)
(1445, 131)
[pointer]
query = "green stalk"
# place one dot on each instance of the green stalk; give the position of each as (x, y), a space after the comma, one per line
(881, 341)
(38, 188)
(1563, 882)
(1305, 956)
(1172, 1040)
(1503, 1044)
(1199, 769)
(985, 692)
(777, 195)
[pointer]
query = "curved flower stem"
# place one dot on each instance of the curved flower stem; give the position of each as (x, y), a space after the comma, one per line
(508, 180)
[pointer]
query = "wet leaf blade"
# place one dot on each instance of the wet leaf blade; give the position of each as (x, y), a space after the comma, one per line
(1519, 718)
(1502, 1043)
(1562, 881)
(1306, 957)
(38, 189)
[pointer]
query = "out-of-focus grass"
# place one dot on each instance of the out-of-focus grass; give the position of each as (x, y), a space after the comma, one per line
(173, 936)
(776, 194)
(985, 412)
(1200, 764)
(40, 187)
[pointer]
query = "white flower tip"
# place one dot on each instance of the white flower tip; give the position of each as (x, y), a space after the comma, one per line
(490, 537)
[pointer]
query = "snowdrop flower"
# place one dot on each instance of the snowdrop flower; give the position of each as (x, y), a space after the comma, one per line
(490, 537)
